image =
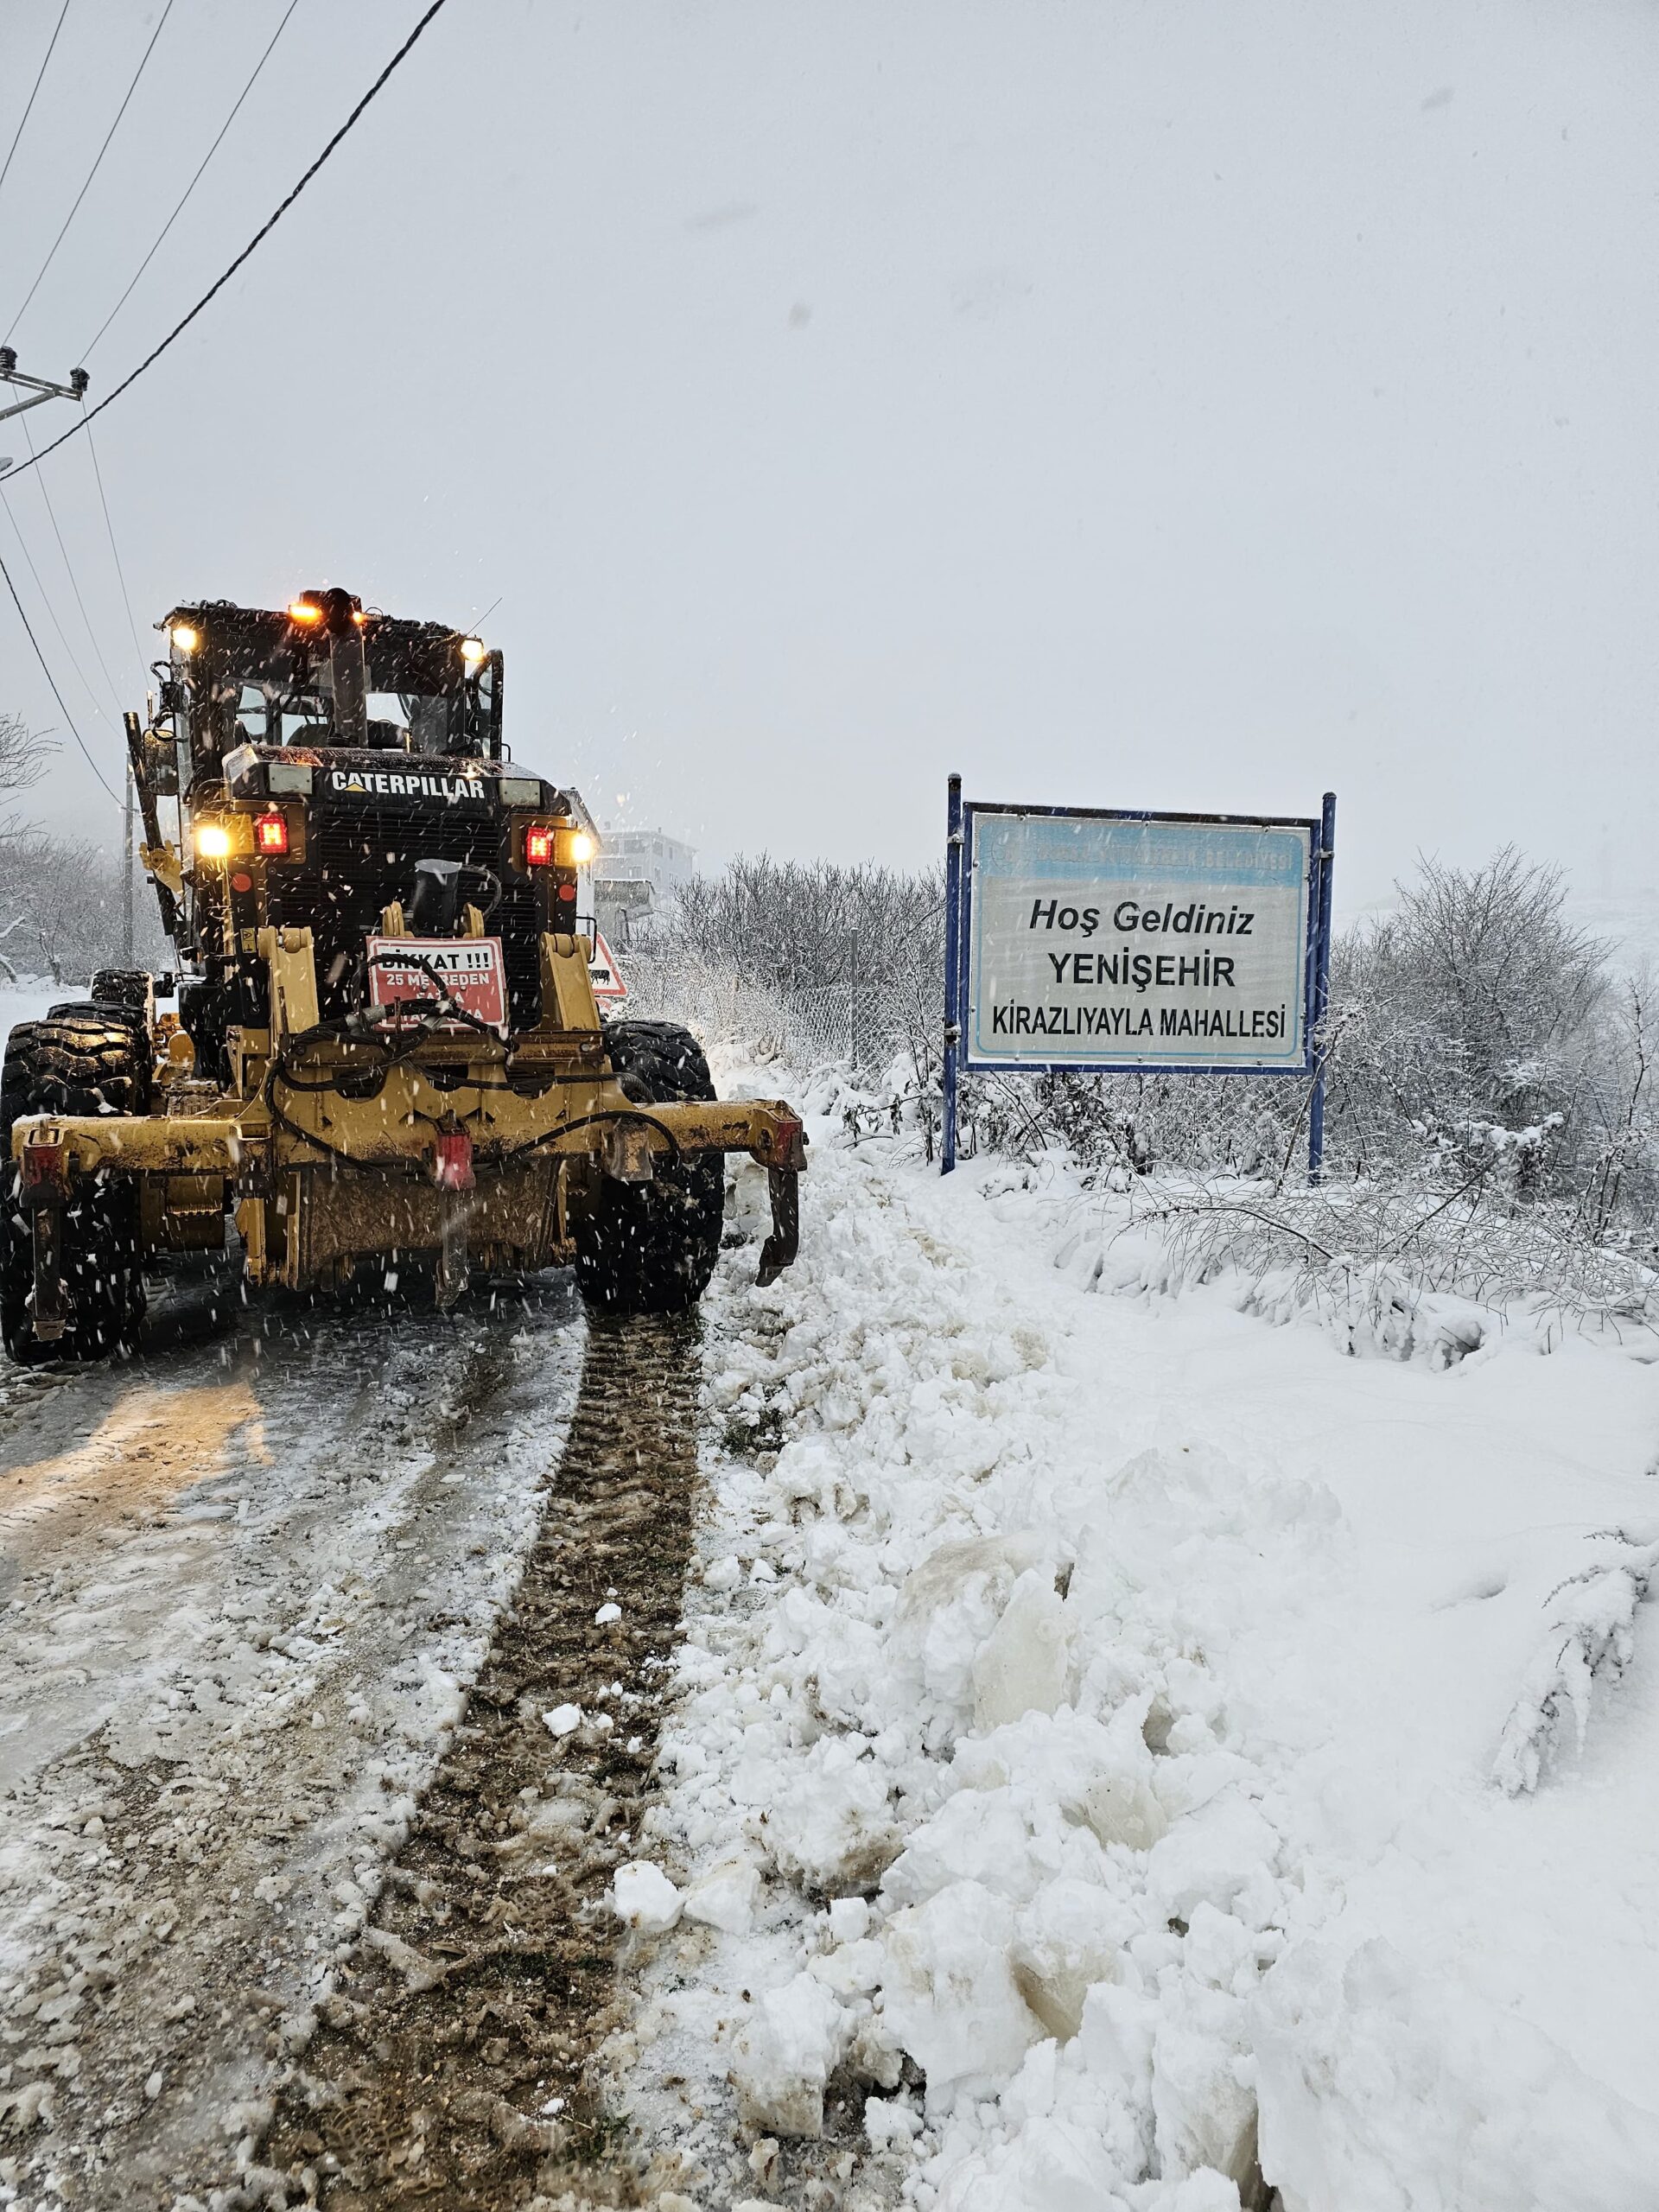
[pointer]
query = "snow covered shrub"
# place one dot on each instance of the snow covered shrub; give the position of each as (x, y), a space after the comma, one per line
(60, 911)
(1202, 1125)
(852, 955)
(1403, 1268)
(60, 905)
(1470, 1024)
(796, 925)
(1591, 1638)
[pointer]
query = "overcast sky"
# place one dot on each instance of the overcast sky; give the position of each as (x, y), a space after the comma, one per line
(1189, 405)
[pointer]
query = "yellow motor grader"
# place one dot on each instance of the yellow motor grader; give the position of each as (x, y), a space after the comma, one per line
(386, 1059)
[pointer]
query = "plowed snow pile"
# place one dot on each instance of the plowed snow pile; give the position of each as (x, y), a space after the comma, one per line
(1107, 1727)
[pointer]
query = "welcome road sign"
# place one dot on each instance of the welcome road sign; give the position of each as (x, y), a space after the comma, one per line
(1099, 940)
(1109, 941)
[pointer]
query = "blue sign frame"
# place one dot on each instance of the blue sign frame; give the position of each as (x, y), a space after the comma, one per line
(958, 921)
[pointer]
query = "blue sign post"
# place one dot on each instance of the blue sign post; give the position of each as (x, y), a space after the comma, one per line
(1321, 992)
(952, 973)
(1114, 942)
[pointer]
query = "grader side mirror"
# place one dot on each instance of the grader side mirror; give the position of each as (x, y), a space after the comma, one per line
(161, 764)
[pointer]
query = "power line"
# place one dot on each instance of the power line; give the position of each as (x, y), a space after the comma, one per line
(18, 133)
(52, 680)
(52, 614)
(74, 585)
(92, 172)
(121, 574)
(259, 236)
(86, 350)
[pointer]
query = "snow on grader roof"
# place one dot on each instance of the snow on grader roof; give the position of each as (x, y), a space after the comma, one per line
(387, 1060)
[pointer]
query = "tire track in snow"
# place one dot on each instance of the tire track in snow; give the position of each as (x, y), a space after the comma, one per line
(451, 2067)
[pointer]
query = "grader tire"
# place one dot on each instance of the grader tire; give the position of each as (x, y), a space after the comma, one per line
(132, 988)
(97, 1021)
(80, 1060)
(651, 1248)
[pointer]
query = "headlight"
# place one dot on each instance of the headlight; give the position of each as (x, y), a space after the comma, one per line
(556, 844)
(473, 651)
(184, 639)
(211, 841)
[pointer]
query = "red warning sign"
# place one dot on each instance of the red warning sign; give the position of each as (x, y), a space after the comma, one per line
(608, 986)
(470, 969)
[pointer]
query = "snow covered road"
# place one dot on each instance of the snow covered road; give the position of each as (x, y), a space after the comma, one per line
(242, 1585)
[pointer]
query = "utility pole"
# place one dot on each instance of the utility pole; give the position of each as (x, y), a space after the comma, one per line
(126, 876)
(41, 388)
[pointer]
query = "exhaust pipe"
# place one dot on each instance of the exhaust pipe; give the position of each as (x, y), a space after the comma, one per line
(347, 665)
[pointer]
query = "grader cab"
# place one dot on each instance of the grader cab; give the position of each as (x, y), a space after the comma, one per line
(386, 1062)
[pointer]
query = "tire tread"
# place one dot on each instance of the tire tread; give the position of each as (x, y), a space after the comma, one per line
(652, 1248)
(78, 1061)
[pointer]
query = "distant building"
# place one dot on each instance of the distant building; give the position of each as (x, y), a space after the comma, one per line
(635, 875)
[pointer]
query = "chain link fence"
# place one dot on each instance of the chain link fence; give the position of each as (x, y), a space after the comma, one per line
(860, 1026)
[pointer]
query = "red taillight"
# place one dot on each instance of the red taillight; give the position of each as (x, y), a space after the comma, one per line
(539, 846)
(45, 1170)
(270, 835)
(452, 1164)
